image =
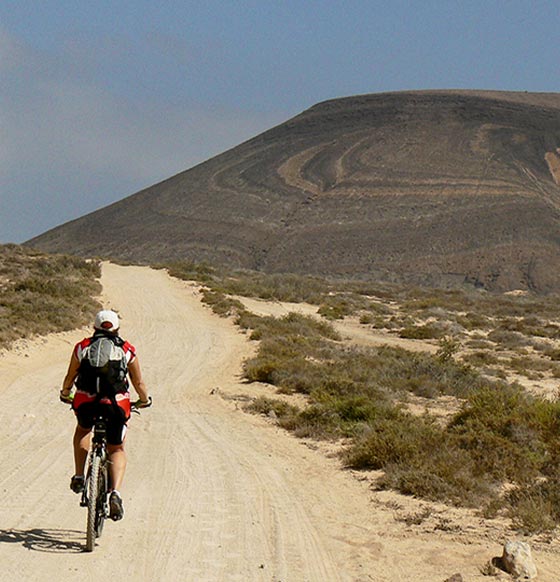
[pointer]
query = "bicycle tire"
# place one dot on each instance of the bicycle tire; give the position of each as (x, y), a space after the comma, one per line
(93, 502)
(101, 499)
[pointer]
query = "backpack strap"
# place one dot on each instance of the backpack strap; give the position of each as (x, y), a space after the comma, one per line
(117, 340)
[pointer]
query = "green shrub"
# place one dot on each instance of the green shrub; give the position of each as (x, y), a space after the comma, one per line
(191, 271)
(510, 434)
(472, 321)
(478, 342)
(447, 475)
(419, 458)
(530, 326)
(501, 433)
(341, 305)
(448, 347)
(277, 287)
(292, 325)
(535, 508)
(553, 353)
(426, 331)
(285, 413)
(481, 358)
(221, 304)
(367, 318)
(42, 293)
(334, 310)
(529, 366)
(396, 438)
(509, 339)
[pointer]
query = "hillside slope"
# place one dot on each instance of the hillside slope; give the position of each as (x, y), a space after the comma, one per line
(444, 187)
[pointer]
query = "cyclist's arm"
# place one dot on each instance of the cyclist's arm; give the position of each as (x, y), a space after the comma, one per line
(137, 381)
(68, 381)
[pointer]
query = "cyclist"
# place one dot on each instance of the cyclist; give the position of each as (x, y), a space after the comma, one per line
(116, 410)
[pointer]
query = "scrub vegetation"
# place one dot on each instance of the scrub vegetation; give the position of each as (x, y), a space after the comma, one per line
(495, 450)
(42, 293)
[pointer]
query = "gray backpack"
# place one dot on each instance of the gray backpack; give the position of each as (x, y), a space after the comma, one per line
(104, 367)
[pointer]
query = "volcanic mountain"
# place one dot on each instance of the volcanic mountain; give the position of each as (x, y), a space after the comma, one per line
(430, 187)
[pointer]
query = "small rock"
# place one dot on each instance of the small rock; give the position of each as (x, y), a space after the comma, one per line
(455, 578)
(272, 414)
(518, 562)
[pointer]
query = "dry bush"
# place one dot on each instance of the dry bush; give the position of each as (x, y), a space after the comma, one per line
(221, 304)
(481, 358)
(367, 319)
(420, 458)
(552, 352)
(191, 271)
(42, 293)
(341, 305)
(472, 321)
(535, 508)
(479, 342)
(530, 326)
(531, 367)
(509, 339)
(277, 287)
(284, 413)
(501, 435)
(510, 434)
(420, 332)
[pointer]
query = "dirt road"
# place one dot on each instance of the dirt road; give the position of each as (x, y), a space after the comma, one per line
(211, 493)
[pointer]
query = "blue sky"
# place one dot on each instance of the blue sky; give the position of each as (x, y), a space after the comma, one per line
(101, 99)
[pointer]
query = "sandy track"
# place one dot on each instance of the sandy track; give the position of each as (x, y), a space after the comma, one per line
(211, 494)
(349, 329)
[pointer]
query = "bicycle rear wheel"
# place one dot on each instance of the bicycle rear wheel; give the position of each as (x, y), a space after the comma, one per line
(96, 500)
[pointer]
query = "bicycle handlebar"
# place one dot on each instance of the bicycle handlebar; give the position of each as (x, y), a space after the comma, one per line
(138, 404)
(66, 399)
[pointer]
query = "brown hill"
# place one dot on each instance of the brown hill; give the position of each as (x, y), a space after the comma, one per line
(441, 187)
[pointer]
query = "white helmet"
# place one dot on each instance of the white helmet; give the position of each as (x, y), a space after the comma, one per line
(106, 320)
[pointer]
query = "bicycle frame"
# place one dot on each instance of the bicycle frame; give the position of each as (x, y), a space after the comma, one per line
(98, 480)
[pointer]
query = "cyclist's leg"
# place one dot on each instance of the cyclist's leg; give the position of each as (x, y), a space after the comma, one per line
(117, 467)
(116, 433)
(84, 412)
(82, 439)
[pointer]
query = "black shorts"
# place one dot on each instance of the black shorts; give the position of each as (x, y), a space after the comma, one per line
(116, 419)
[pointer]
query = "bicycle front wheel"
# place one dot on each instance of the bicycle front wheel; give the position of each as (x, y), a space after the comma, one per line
(102, 511)
(94, 492)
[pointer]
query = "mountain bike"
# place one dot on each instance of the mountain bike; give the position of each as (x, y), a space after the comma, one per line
(97, 483)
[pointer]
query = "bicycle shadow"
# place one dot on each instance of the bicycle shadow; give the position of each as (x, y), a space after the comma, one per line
(64, 541)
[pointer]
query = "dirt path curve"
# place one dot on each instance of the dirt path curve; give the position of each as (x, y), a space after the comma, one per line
(212, 493)
(349, 328)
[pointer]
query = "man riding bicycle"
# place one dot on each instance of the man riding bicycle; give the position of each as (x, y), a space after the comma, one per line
(87, 403)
